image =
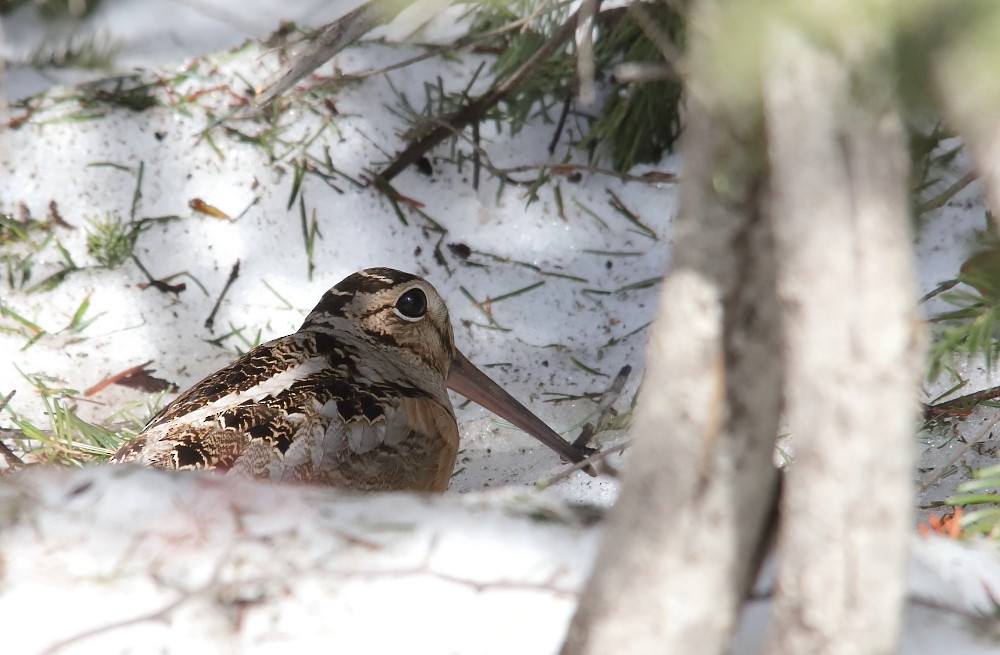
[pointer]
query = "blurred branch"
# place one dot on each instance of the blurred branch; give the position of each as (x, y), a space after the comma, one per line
(840, 178)
(336, 36)
(940, 199)
(8, 454)
(585, 50)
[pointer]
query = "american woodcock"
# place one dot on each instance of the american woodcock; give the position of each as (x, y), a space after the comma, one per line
(355, 398)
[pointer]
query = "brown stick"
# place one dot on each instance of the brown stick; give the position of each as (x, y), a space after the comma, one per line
(961, 406)
(233, 274)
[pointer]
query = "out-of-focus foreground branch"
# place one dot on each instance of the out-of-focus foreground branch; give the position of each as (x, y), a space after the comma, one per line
(840, 171)
(683, 543)
(121, 559)
(793, 241)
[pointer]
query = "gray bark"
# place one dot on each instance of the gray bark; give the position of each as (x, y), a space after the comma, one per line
(964, 74)
(839, 179)
(683, 542)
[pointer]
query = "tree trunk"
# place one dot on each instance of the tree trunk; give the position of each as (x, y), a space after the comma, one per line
(964, 73)
(683, 542)
(839, 180)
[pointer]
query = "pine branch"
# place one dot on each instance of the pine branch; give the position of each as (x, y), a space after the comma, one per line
(961, 406)
(476, 110)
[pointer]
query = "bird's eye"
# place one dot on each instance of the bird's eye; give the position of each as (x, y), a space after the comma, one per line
(412, 305)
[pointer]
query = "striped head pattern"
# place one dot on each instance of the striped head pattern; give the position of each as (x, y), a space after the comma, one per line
(393, 311)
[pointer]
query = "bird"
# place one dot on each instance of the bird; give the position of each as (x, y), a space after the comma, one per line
(356, 398)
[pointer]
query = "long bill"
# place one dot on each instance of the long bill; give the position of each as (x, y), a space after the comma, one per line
(466, 379)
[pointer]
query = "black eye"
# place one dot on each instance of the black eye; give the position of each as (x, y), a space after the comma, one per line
(412, 305)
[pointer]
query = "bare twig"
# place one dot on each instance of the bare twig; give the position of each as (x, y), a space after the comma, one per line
(931, 478)
(582, 464)
(585, 50)
(476, 154)
(160, 285)
(671, 54)
(336, 36)
(634, 71)
(233, 274)
(437, 50)
(940, 199)
(561, 123)
(8, 454)
(156, 615)
(613, 393)
(312, 57)
(604, 407)
(941, 288)
(649, 177)
(962, 405)
(476, 109)
(567, 169)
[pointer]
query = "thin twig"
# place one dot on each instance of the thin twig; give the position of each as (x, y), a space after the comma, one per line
(299, 65)
(567, 169)
(476, 164)
(941, 288)
(8, 454)
(582, 464)
(940, 199)
(156, 615)
(931, 478)
(233, 274)
(604, 408)
(476, 109)
(561, 123)
(964, 404)
(670, 53)
(336, 36)
(159, 285)
(585, 51)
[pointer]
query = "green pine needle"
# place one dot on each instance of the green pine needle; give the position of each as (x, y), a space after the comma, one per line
(110, 240)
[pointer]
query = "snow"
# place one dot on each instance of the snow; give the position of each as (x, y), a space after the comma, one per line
(209, 564)
(584, 310)
(358, 229)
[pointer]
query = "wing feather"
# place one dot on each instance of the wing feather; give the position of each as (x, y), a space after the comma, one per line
(286, 411)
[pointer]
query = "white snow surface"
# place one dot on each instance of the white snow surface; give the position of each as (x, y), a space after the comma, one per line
(54, 158)
(90, 167)
(154, 563)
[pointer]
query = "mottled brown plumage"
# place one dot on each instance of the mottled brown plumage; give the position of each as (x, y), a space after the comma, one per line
(356, 398)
